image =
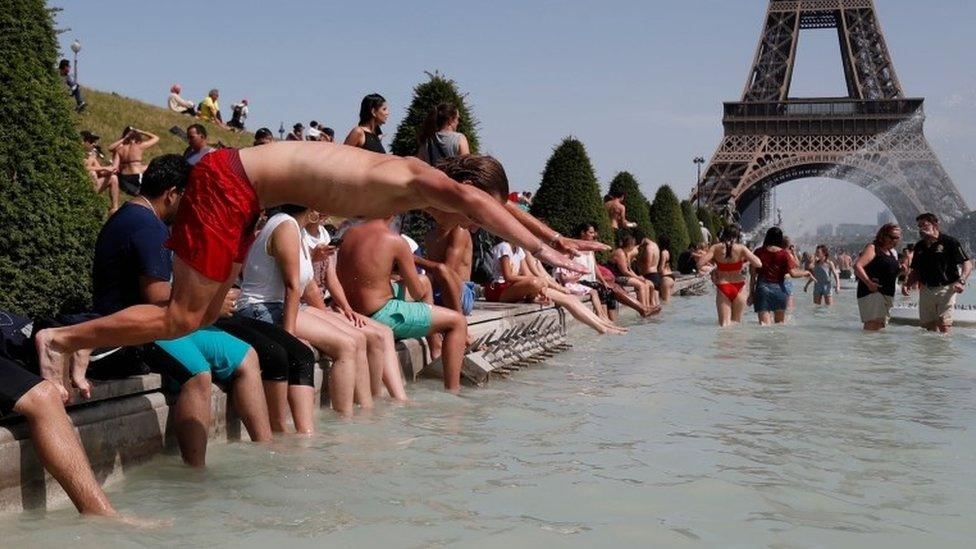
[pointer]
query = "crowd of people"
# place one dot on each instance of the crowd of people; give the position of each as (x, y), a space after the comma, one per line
(937, 266)
(220, 269)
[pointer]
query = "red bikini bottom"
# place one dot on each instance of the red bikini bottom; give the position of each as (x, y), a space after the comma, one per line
(730, 289)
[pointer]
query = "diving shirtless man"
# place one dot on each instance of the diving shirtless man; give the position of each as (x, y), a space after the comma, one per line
(214, 227)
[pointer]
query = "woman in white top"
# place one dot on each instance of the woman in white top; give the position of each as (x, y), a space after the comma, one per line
(517, 277)
(277, 275)
(438, 137)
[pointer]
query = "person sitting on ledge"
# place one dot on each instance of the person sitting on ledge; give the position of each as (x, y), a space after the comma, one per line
(213, 228)
(55, 442)
(514, 280)
(368, 257)
(132, 267)
(620, 265)
(611, 293)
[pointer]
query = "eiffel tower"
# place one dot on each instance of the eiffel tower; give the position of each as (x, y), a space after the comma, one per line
(872, 138)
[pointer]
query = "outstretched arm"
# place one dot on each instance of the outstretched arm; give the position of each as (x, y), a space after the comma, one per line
(436, 190)
(546, 233)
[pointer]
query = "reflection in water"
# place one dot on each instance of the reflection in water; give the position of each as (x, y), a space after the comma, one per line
(810, 434)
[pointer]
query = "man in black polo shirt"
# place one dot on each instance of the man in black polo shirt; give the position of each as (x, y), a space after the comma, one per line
(935, 267)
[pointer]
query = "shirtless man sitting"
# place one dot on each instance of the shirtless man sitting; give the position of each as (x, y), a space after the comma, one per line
(451, 246)
(228, 189)
(614, 204)
(368, 257)
(648, 258)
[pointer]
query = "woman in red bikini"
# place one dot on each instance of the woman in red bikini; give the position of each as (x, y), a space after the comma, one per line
(729, 256)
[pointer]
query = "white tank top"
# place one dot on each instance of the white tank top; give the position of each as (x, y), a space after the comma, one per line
(262, 282)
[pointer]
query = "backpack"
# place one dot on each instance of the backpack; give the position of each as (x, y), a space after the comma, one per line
(481, 262)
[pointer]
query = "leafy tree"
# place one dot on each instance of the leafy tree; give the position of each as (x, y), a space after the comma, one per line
(691, 222)
(426, 96)
(49, 216)
(569, 193)
(638, 208)
(668, 220)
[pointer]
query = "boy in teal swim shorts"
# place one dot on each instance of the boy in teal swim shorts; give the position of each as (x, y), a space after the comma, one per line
(368, 257)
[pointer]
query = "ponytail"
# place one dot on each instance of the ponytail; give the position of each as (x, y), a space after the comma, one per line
(436, 119)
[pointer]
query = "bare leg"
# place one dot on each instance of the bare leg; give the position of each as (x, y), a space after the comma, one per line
(522, 290)
(344, 354)
(581, 313)
(362, 391)
(380, 347)
(59, 449)
(724, 307)
(192, 417)
(598, 307)
(276, 394)
(455, 329)
(195, 302)
(765, 318)
(623, 296)
(248, 397)
(667, 284)
(739, 306)
(301, 398)
(780, 317)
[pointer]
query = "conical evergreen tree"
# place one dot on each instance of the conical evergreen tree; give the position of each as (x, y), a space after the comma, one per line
(426, 96)
(691, 222)
(668, 220)
(638, 208)
(569, 193)
(49, 216)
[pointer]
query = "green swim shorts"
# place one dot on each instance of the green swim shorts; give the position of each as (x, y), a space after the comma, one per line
(407, 319)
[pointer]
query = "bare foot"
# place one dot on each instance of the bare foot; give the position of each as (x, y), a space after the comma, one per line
(138, 522)
(653, 310)
(51, 361)
(79, 367)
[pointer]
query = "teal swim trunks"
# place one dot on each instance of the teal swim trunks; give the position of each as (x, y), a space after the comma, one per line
(407, 319)
(205, 350)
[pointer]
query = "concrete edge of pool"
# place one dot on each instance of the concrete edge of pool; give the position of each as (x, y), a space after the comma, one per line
(127, 421)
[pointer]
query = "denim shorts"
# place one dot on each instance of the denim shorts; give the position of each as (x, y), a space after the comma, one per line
(271, 312)
(770, 297)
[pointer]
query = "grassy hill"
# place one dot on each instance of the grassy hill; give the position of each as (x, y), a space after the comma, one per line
(108, 113)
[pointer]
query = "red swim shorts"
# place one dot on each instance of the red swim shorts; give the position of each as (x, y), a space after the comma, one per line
(214, 225)
(493, 291)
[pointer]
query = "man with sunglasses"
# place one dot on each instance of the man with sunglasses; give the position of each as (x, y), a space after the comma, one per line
(940, 268)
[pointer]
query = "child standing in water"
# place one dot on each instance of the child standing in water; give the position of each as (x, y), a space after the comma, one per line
(823, 271)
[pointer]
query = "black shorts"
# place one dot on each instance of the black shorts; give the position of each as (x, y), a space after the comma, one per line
(130, 182)
(282, 355)
(605, 292)
(655, 279)
(15, 382)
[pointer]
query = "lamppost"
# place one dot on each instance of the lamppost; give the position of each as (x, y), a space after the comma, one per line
(76, 47)
(698, 160)
(281, 131)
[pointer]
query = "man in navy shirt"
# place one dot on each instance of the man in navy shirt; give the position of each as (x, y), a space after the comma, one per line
(132, 267)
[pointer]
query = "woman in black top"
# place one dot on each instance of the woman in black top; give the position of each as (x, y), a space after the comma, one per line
(373, 113)
(877, 270)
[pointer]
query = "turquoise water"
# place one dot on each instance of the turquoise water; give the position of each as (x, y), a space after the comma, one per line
(679, 434)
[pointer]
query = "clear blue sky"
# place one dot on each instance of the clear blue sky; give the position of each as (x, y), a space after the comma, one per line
(640, 83)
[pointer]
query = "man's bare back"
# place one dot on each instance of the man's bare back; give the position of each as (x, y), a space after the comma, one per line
(649, 257)
(452, 247)
(617, 213)
(367, 257)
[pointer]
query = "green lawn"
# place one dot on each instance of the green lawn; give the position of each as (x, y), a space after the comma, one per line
(108, 113)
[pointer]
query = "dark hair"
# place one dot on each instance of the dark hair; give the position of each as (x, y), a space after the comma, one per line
(578, 230)
(910, 247)
(263, 133)
(664, 242)
(436, 118)
(823, 248)
(928, 217)
(484, 172)
(624, 238)
(619, 193)
(290, 209)
(63, 63)
(370, 102)
(164, 173)
(200, 128)
(639, 235)
(729, 236)
(313, 124)
(885, 231)
(774, 237)
(330, 132)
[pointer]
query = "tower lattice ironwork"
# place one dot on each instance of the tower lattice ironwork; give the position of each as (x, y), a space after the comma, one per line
(872, 138)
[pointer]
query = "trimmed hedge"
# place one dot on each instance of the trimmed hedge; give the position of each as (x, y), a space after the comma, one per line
(668, 220)
(426, 96)
(49, 216)
(569, 193)
(691, 222)
(638, 208)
